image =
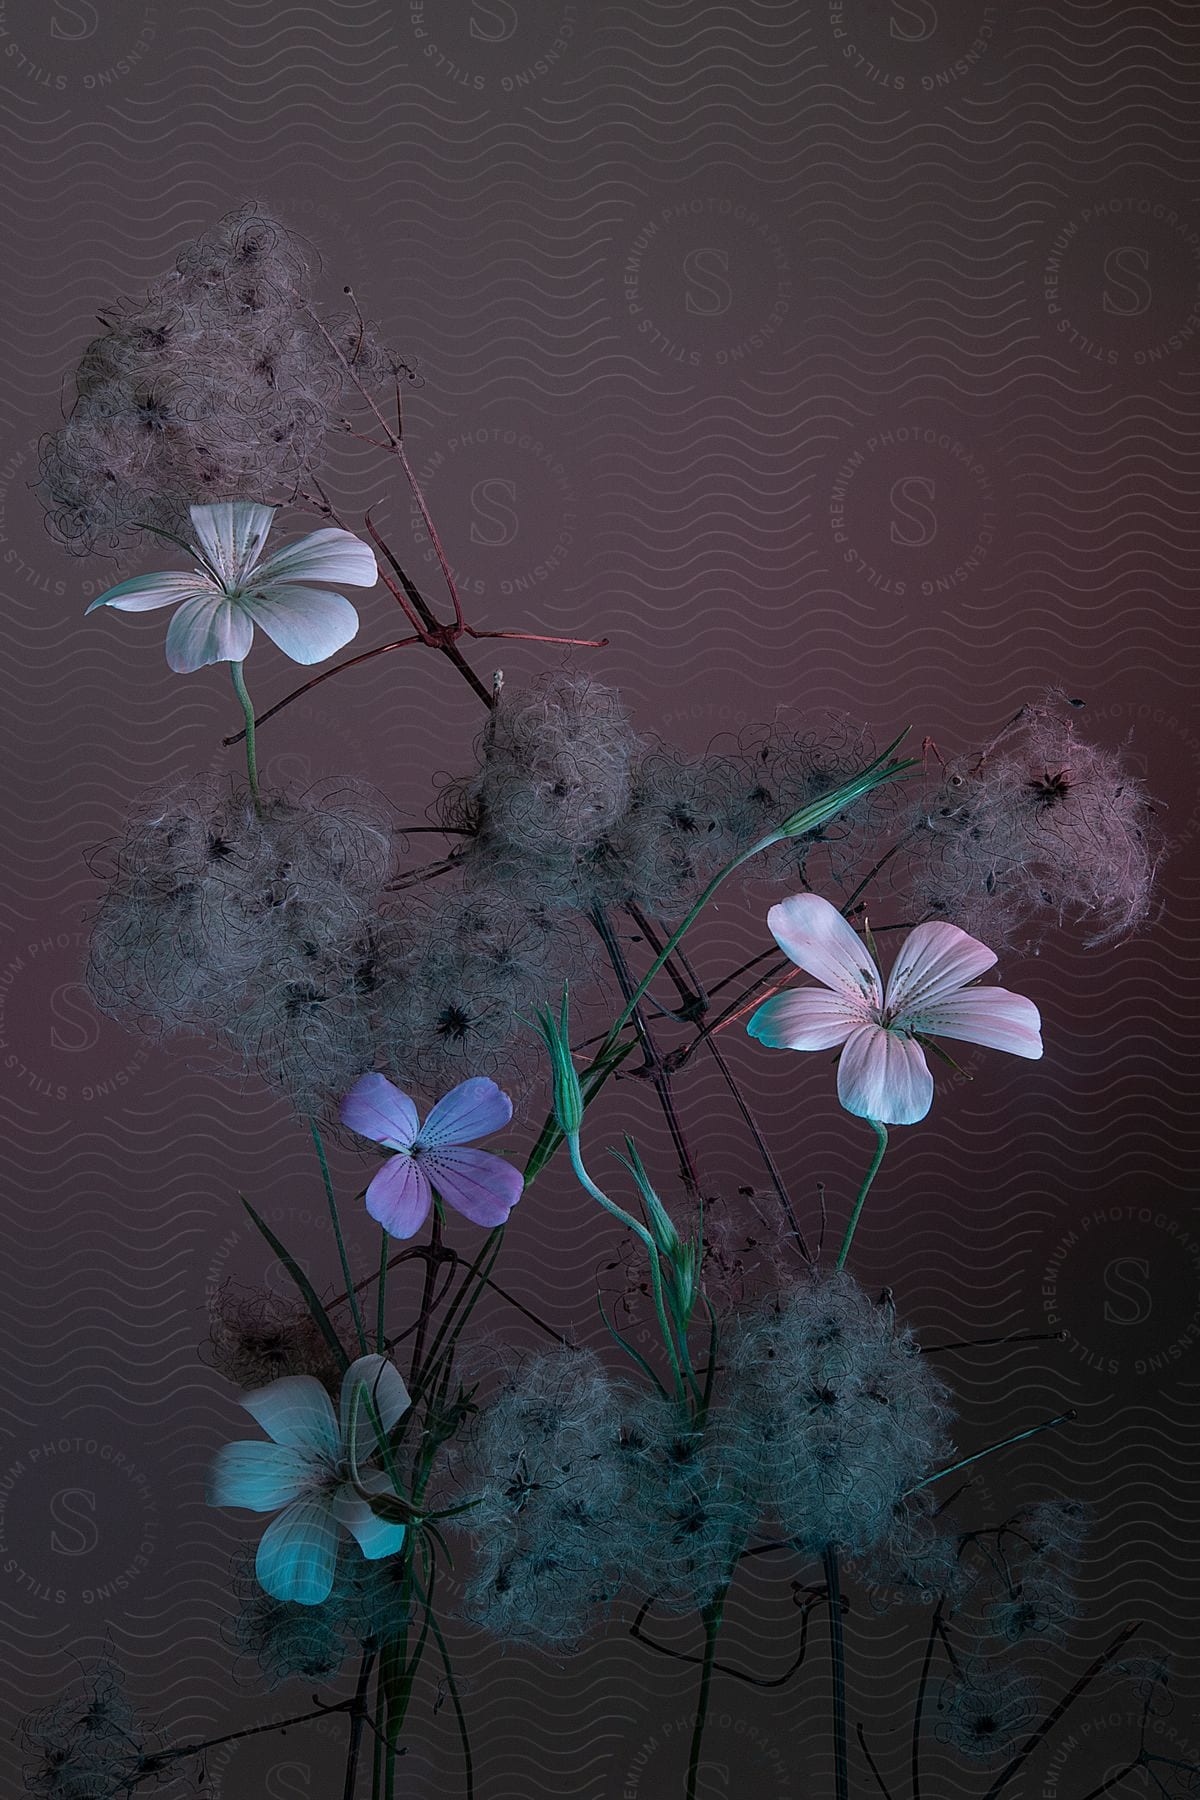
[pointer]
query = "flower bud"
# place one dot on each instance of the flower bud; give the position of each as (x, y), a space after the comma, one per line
(819, 812)
(568, 1096)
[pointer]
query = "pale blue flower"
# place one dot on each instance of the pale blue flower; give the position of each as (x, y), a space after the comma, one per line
(231, 591)
(305, 1475)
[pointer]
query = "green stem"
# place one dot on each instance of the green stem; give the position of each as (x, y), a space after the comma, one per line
(712, 1615)
(239, 688)
(640, 1231)
(377, 1760)
(1046, 1425)
(337, 1232)
(452, 1324)
(399, 1686)
(432, 1257)
(880, 1131)
(451, 1683)
(809, 818)
(837, 1670)
(380, 1334)
(358, 1712)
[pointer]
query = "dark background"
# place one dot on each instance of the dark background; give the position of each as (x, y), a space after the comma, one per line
(874, 195)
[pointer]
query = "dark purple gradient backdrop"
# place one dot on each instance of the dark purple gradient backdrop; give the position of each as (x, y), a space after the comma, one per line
(840, 355)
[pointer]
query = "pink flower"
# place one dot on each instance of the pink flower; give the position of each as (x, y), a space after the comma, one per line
(479, 1185)
(882, 1072)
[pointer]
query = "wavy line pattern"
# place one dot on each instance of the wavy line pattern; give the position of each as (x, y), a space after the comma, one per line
(820, 355)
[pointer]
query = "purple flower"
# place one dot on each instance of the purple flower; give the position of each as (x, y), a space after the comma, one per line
(429, 1157)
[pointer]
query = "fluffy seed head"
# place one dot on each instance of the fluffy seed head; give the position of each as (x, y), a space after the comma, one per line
(255, 1337)
(985, 1712)
(554, 768)
(836, 1413)
(542, 1459)
(1037, 828)
(218, 384)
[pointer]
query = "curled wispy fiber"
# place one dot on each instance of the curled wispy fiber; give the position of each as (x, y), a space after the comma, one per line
(1031, 1575)
(220, 383)
(1037, 828)
(256, 1336)
(90, 1745)
(479, 962)
(917, 1561)
(672, 836)
(542, 1461)
(835, 1413)
(688, 816)
(265, 932)
(365, 1611)
(554, 769)
(985, 1711)
(799, 758)
(689, 1506)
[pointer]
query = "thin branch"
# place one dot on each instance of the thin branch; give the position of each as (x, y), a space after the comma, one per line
(1014, 1337)
(536, 637)
(919, 1705)
(1051, 1720)
(365, 656)
(862, 1738)
(654, 1064)
(762, 1147)
(759, 1681)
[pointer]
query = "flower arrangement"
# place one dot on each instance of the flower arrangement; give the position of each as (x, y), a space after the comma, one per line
(808, 1421)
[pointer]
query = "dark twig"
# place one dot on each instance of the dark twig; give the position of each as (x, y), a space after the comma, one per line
(922, 1687)
(1014, 1337)
(358, 1714)
(1068, 1700)
(654, 1064)
(862, 1738)
(762, 1147)
(837, 1674)
(759, 1681)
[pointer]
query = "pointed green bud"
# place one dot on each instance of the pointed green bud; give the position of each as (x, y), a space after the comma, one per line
(658, 1220)
(568, 1095)
(819, 812)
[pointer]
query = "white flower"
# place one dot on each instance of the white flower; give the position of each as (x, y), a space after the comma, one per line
(231, 591)
(306, 1471)
(882, 1072)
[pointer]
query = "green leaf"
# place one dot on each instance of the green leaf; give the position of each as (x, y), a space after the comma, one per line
(591, 1081)
(629, 1350)
(305, 1286)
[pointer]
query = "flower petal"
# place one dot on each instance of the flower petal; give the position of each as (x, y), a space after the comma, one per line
(376, 1109)
(231, 535)
(883, 1075)
(298, 1553)
(296, 1411)
(470, 1110)
(376, 1537)
(261, 1477)
(326, 555)
(385, 1386)
(804, 1019)
(483, 1187)
(400, 1196)
(207, 630)
(933, 960)
(817, 938)
(308, 624)
(985, 1015)
(142, 593)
